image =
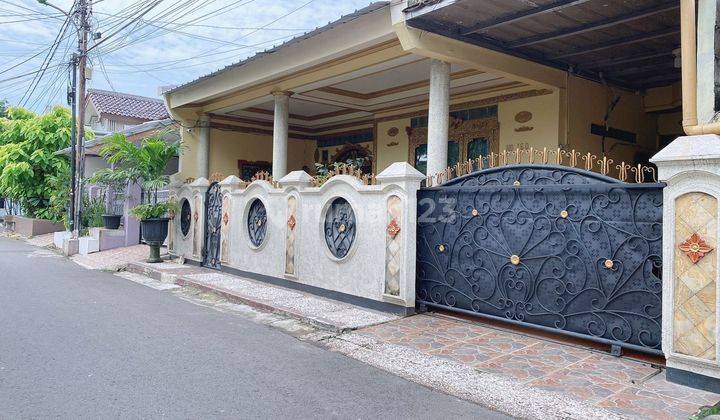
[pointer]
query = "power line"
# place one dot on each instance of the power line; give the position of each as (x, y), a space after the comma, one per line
(48, 58)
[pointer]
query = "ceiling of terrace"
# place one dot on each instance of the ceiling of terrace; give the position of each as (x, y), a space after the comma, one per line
(630, 43)
(398, 83)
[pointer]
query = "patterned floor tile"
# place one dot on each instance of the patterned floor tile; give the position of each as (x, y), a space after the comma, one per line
(388, 331)
(581, 388)
(448, 328)
(423, 342)
(603, 367)
(534, 361)
(638, 403)
(661, 386)
(467, 353)
(503, 342)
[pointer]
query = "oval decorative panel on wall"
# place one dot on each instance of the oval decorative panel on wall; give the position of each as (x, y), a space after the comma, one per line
(257, 223)
(340, 227)
(185, 217)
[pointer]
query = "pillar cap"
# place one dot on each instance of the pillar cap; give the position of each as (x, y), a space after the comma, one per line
(400, 171)
(685, 148)
(296, 178)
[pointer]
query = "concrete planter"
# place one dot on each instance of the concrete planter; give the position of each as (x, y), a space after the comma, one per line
(28, 227)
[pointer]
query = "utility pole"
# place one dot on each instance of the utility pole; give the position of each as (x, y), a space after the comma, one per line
(73, 141)
(83, 26)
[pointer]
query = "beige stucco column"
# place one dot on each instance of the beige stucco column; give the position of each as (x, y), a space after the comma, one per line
(438, 116)
(203, 152)
(280, 134)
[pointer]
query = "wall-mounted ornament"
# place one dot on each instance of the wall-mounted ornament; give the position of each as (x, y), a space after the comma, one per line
(523, 116)
(185, 217)
(257, 223)
(393, 228)
(524, 128)
(226, 219)
(340, 227)
(393, 144)
(695, 248)
(392, 132)
(291, 222)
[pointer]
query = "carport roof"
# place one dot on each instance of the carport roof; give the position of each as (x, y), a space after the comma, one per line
(627, 43)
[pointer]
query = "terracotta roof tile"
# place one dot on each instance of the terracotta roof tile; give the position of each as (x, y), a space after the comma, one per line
(126, 105)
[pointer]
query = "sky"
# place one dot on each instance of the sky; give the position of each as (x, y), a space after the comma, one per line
(175, 42)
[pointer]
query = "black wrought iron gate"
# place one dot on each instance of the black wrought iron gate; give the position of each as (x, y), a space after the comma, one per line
(546, 246)
(213, 225)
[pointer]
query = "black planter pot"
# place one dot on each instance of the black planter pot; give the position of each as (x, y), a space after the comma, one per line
(111, 221)
(154, 232)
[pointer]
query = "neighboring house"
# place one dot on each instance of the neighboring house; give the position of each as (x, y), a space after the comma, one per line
(94, 160)
(109, 112)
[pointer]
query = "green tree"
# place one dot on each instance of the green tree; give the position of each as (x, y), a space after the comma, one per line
(29, 168)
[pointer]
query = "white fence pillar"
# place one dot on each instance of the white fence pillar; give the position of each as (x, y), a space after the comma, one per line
(691, 168)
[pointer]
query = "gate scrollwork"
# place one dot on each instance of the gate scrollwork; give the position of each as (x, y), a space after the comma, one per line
(213, 224)
(559, 248)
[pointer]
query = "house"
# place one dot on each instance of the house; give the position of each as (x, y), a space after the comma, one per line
(109, 112)
(511, 142)
(361, 87)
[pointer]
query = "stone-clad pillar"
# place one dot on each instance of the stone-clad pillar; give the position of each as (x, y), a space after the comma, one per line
(438, 116)
(691, 168)
(280, 134)
(203, 153)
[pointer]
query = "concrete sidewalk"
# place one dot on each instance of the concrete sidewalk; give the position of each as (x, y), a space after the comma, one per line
(324, 313)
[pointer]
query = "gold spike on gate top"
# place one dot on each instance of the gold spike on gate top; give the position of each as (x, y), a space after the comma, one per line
(531, 156)
(492, 159)
(652, 172)
(573, 157)
(589, 159)
(518, 155)
(544, 156)
(623, 171)
(558, 155)
(639, 173)
(479, 163)
(503, 158)
(605, 165)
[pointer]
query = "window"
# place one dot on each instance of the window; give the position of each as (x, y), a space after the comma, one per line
(421, 156)
(476, 148)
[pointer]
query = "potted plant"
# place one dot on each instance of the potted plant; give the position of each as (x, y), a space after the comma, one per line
(154, 220)
(145, 163)
(114, 182)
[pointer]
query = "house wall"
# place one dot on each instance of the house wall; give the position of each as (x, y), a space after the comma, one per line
(587, 104)
(542, 130)
(549, 127)
(227, 147)
(391, 148)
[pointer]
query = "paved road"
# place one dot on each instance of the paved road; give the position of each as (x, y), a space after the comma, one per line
(82, 344)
